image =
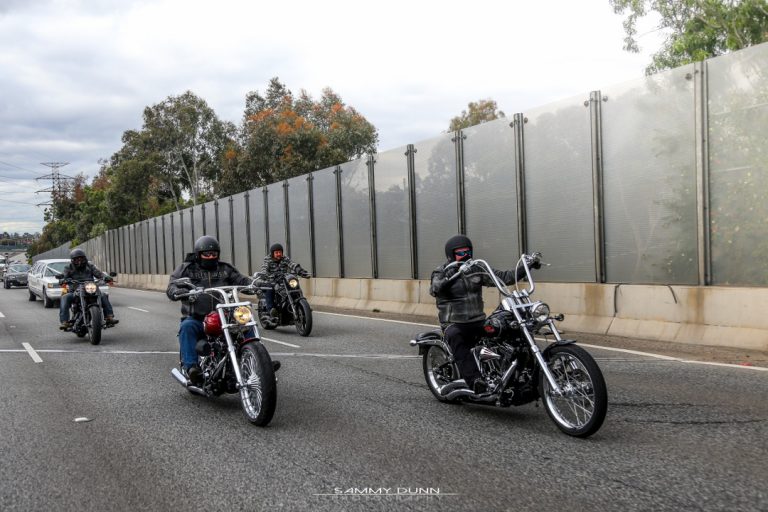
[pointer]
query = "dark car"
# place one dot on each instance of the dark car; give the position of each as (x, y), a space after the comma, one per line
(15, 275)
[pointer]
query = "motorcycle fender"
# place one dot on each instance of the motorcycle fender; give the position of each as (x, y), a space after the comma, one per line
(424, 344)
(560, 343)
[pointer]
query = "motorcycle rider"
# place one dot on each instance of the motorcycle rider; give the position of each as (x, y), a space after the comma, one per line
(460, 306)
(81, 269)
(203, 268)
(276, 263)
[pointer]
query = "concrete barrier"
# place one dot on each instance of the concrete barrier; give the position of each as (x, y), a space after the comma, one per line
(712, 315)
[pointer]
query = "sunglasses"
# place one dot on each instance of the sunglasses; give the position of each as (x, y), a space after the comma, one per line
(461, 254)
(209, 254)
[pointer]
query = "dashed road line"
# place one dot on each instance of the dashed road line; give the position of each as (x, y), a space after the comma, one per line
(36, 358)
(138, 309)
(2, 315)
(281, 342)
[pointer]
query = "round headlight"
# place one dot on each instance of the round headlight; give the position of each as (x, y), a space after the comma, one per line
(243, 315)
(541, 312)
(293, 283)
(90, 288)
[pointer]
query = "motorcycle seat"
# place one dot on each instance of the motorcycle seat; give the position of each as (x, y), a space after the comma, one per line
(430, 335)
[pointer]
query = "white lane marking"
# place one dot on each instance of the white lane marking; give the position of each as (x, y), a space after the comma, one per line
(281, 342)
(374, 318)
(2, 315)
(32, 353)
(647, 354)
(138, 309)
(350, 356)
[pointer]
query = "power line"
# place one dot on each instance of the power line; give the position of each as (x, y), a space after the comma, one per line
(20, 168)
(57, 181)
(17, 202)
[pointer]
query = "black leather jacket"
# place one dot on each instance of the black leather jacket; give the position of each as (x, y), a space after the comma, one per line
(270, 268)
(223, 275)
(88, 272)
(461, 301)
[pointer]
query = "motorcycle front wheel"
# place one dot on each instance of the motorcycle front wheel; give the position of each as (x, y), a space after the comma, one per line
(581, 408)
(438, 371)
(94, 325)
(303, 317)
(259, 394)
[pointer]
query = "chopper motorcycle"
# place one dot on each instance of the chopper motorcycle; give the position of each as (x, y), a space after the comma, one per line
(87, 311)
(289, 301)
(564, 376)
(231, 356)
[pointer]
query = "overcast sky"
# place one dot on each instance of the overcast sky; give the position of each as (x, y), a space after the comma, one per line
(75, 74)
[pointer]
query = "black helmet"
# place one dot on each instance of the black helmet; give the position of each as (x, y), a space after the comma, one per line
(206, 244)
(456, 242)
(275, 247)
(78, 258)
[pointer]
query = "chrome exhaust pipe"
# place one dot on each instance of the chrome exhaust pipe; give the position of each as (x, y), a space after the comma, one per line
(460, 383)
(185, 382)
(468, 393)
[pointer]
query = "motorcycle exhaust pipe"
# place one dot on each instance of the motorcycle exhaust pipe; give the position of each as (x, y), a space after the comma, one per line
(184, 382)
(468, 393)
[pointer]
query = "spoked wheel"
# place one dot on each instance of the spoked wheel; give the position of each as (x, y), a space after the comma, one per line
(303, 317)
(581, 409)
(95, 325)
(259, 395)
(438, 371)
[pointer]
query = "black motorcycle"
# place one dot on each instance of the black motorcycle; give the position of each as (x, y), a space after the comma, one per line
(87, 313)
(290, 304)
(231, 355)
(513, 368)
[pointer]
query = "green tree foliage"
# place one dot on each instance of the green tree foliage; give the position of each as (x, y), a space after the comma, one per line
(477, 112)
(696, 29)
(282, 136)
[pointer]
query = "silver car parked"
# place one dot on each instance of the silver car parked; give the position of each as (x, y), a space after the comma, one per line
(15, 275)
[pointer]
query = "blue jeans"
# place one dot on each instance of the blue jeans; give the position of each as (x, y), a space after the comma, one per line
(66, 303)
(190, 331)
(269, 300)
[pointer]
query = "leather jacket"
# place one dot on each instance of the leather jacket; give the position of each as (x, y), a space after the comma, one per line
(461, 301)
(223, 275)
(270, 268)
(87, 273)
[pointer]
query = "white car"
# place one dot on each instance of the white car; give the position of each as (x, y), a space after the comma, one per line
(43, 281)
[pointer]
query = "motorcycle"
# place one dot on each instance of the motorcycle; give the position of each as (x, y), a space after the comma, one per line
(87, 311)
(564, 376)
(289, 301)
(231, 356)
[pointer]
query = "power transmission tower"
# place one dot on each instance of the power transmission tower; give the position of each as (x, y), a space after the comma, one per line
(58, 181)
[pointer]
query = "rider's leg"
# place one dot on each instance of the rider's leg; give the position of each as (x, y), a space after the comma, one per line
(190, 331)
(461, 338)
(64, 305)
(109, 313)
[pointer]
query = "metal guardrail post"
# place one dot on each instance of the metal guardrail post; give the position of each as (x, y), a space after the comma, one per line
(411, 163)
(181, 231)
(703, 212)
(232, 229)
(311, 198)
(596, 120)
(216, 218)
(371, 164)
(157, 250)
(286, 217)
(165, 246)
(461, 207)
(247, 199)
(265, 191)
(339, 220)
(517, 125)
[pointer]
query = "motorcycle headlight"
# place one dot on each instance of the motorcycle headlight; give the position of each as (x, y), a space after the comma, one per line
(90, 288)
(541, 312)
(293, 283)
(243, 315)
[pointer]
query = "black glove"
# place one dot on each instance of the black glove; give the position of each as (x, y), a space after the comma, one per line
(450, 271)
(534, 260)
(305, 274)
(108, 279)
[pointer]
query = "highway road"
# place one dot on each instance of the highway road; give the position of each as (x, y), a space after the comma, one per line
(355, 428)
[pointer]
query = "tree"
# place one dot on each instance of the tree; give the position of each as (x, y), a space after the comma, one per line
(478, 112)
(697, 29)
(282, 136)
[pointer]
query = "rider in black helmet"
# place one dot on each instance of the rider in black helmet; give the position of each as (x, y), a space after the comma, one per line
(276, 262)
(204, 268)
(460, 307)
(81, 269)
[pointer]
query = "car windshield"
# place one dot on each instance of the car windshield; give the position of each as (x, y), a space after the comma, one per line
(57, 268)
(19, 268)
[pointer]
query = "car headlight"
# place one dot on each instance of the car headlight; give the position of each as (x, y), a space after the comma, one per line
(53, 285)
(293, 283)
(541, 312)
(90, 287)
(243, 315)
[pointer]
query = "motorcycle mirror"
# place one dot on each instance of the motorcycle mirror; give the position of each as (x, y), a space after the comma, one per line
(113, 274)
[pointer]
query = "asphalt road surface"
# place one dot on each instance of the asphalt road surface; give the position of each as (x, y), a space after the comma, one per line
(353, 416)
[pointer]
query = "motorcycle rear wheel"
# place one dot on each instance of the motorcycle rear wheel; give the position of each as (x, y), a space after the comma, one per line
(438, 371)
(259, 395)
(94, 326)
(303, 318)
(581, 410)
